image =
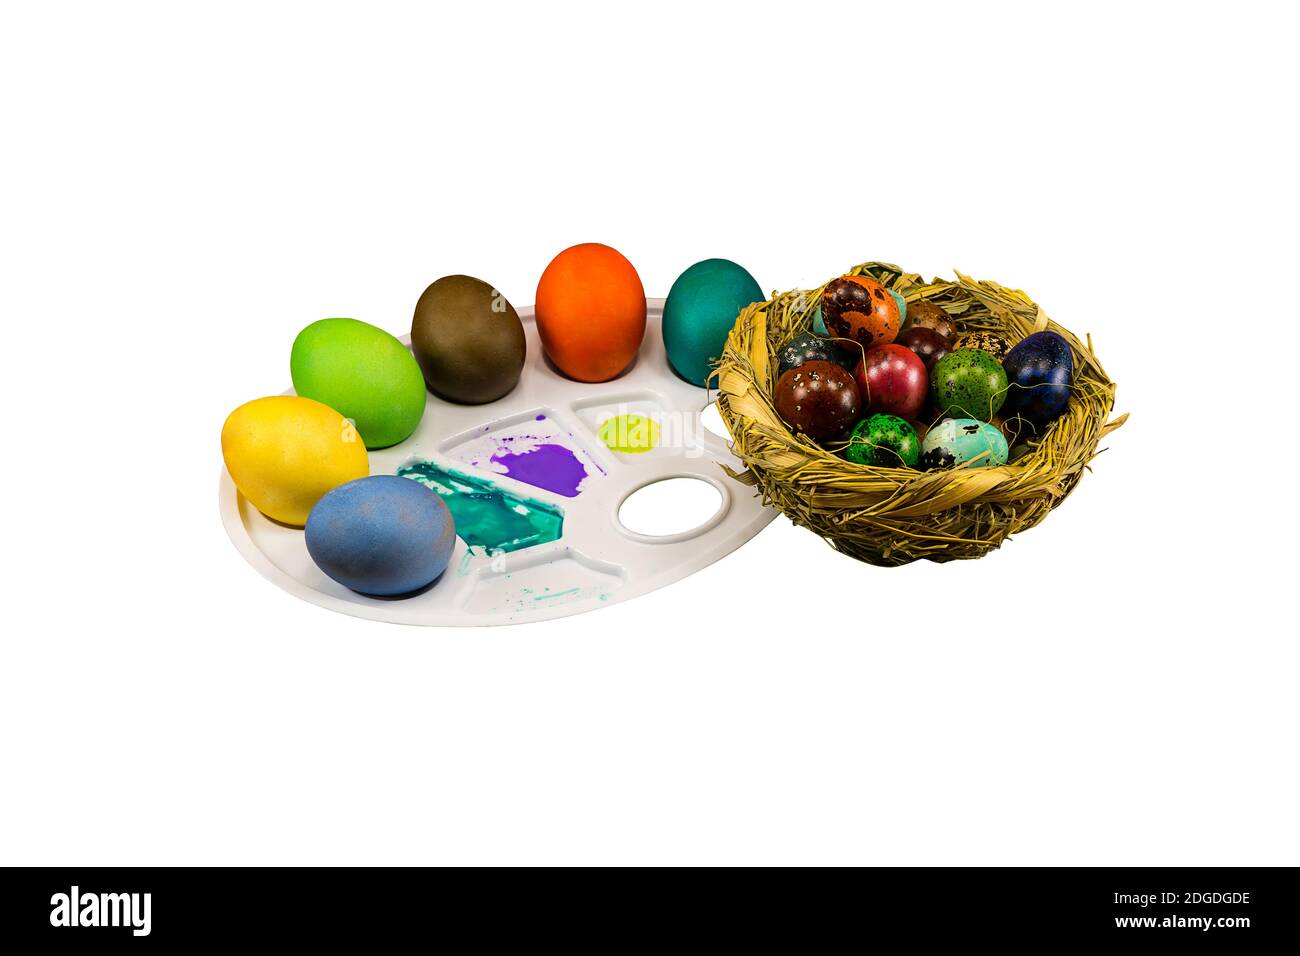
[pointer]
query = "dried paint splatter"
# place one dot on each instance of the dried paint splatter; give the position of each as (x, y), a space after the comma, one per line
(553, 467)
(538, 452)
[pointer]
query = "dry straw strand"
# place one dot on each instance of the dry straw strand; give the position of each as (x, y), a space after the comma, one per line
(893, 516)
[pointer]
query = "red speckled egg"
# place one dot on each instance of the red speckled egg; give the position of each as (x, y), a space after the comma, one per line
(893, 380)
(928, 345)
(819, 399)
(861, 310)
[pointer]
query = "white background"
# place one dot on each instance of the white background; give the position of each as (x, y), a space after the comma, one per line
(184, 189)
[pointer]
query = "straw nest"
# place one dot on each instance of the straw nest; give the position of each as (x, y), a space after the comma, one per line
(893, 516)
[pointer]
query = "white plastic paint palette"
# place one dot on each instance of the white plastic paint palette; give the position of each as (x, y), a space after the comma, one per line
(539, 452)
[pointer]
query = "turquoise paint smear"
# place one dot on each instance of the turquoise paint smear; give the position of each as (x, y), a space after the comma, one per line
(489, 519)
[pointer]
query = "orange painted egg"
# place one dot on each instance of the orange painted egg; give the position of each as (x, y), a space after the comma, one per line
(859, 310)
(591, 312)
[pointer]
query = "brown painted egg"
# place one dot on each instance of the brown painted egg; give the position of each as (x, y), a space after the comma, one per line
(923, 314)
(818, 399)
(989, 342)
(928, 344)
(861, 310)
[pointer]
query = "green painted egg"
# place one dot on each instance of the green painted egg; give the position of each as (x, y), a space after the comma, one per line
(885, 441)
(956, 441)
(968, 383)
(699, 313)
(364, 374)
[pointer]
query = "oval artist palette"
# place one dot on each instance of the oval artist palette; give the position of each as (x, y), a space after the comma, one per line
(535, 482)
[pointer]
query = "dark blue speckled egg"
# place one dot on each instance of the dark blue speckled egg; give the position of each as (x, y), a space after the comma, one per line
(1039, 372)
(381, 535)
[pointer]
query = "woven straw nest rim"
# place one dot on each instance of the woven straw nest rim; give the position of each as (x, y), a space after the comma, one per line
(892, 516)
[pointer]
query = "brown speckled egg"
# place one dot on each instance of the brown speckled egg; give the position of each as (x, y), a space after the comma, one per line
(989, 342)
(928, 344)
(923, 314)
(860, 310)
(818, 399)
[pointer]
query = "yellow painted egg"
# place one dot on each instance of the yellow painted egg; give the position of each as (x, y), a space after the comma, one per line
(285, 452)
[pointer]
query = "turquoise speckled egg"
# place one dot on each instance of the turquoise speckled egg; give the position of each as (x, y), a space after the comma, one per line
(956, 441)
(819, 322)
(699, 313)
(902, 306)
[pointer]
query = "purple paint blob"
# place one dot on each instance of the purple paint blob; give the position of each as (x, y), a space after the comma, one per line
(552, 467)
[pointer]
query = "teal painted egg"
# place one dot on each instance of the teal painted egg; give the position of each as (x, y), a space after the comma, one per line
(884, 441)
(968, 383)
(701, 308)
(956, 441)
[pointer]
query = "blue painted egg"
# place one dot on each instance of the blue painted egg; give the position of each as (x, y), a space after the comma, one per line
(700, 310)
(955, 441)
(1039, 372)
(381, 535)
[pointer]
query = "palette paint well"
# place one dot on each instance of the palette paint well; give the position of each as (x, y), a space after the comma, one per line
(536, 450)
(488, 518)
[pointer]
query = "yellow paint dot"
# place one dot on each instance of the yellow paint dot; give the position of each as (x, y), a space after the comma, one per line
(629, 434)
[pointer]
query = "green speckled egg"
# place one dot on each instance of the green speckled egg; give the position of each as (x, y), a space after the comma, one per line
(956, 441)
(884, 441)
(989, 342)
(699, 312)
(967, 383)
